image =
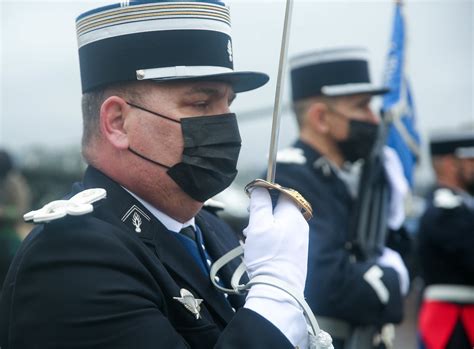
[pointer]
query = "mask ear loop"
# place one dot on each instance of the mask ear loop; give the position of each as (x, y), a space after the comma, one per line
(152, 112)
(147, 159)
(156, 114)
(338, 113)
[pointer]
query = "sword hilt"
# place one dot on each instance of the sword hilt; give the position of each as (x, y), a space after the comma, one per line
(295, 196)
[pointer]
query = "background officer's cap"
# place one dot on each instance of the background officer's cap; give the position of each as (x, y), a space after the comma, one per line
(159, 40)
(332, 72)
(460, 144)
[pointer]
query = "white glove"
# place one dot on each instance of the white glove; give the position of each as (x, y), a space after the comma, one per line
(399, 186)
(276, 246)
(392, 259)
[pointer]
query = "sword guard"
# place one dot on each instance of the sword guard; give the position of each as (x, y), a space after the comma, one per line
(296, 197)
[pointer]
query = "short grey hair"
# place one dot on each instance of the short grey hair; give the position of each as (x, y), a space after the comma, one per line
(92, 102)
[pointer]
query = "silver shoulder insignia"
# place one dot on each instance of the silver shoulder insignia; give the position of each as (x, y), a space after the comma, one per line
(445, 198)
(190, 303)
(78, 205)
(291, 156)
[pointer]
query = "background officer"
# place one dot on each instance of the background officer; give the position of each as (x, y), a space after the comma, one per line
(14, 201)
(124, 262)
(331, 95)
(446, 245)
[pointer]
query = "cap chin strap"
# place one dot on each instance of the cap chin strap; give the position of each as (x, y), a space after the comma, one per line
(318, 339)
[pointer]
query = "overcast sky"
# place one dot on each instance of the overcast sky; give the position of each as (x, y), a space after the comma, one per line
(40, 85)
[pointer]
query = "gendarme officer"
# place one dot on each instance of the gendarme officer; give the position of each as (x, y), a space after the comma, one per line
(446, 245)
(331, 93)
(123, 261)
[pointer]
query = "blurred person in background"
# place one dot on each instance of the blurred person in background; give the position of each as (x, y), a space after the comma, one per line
(350, 295)
(446, 246)
(14, 202)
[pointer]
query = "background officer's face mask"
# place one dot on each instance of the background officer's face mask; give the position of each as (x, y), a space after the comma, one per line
(209, 160)
(360, 140)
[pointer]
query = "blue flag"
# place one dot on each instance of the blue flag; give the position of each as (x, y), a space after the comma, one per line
(398, 106)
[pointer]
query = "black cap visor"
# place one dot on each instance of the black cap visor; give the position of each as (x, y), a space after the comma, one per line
(240, 81)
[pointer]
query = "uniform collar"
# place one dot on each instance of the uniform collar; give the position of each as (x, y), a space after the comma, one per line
(346, 173)
(350, 175)
(169, 222)
(121, 208)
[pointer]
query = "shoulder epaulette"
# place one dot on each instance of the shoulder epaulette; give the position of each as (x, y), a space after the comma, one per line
(291, 156)
(446, 198)
(79, 204)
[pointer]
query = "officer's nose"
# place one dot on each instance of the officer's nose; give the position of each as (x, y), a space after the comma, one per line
(372, 117)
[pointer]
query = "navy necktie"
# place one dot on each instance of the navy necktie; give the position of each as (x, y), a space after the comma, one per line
(189, 232)
(193, 241)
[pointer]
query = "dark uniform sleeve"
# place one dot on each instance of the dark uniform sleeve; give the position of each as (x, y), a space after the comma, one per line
(452, 231)
(335, 285)
(75, 287)
(446, 243)
(250, 330)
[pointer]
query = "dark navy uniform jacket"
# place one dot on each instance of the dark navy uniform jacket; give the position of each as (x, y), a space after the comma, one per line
(335, 286)
(446, 255)
(92, 281)
(446, 239)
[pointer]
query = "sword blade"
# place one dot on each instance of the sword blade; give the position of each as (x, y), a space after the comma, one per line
(279, 94)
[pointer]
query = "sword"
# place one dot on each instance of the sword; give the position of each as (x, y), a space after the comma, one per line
(299, 200)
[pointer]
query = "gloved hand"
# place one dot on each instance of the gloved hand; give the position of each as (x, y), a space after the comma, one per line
(399, 186)
(392, 259)
(276, 245)
(276, 241)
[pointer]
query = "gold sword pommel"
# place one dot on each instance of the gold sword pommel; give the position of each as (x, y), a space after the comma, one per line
(295, 196)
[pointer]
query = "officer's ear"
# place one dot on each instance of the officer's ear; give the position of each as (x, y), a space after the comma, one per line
(112, 121)
(317, 117)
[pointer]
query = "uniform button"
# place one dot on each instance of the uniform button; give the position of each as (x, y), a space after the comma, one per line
(203, 247)
(208, 262)
(140, 74)
(217, 278)
(233, 309)
(226, 295)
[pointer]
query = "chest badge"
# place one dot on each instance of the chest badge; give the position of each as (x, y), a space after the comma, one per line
(136, 217)
(137, 222)
(190, 303)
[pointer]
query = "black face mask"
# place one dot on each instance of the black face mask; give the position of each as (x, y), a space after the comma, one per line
(211, 150)
(360, 141)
